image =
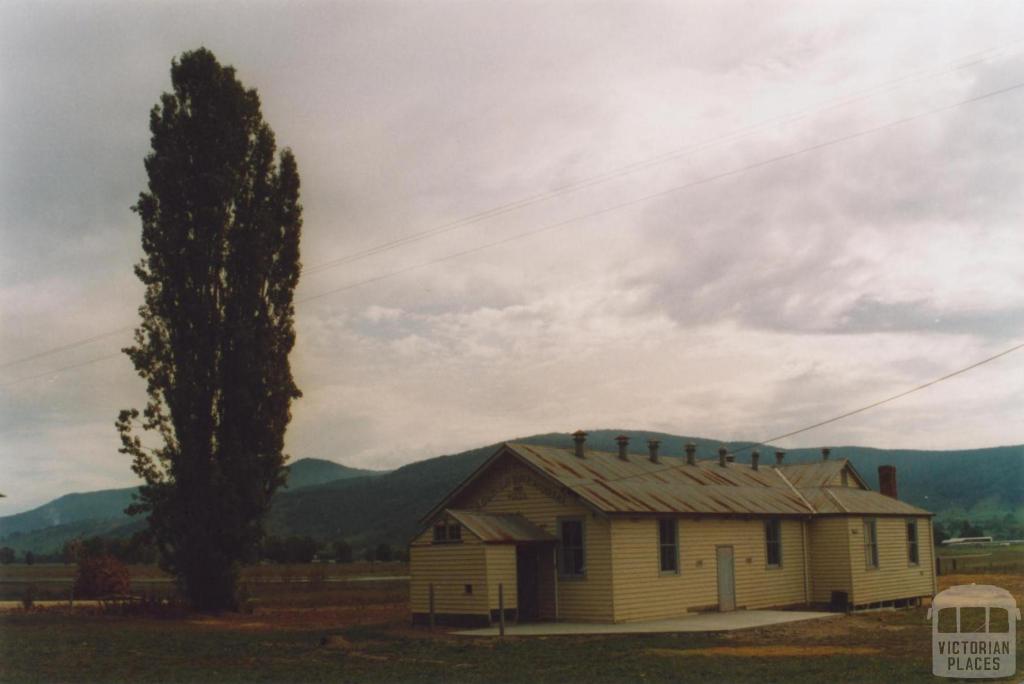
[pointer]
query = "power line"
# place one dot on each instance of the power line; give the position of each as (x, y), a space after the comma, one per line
(951, 66)
(962, 62)
(65, 347)
(645, 198)
(848, 414)
(61, 370)
(672, 190)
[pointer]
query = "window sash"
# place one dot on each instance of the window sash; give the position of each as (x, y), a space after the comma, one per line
(572, 556)
(668, 545)
(913, 551)
(773, 542)
(871, 543)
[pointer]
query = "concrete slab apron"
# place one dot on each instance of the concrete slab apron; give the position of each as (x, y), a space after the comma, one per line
(701, 622)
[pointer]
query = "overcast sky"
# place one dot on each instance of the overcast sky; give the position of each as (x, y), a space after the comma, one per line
(751, 297)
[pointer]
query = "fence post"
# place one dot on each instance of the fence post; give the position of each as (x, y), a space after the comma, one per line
(501, 609)
(431, 605)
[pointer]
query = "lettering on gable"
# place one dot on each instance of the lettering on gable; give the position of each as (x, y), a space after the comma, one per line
(510, 481)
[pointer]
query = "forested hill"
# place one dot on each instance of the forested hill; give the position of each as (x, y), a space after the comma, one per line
(102, 512)
(985, 486)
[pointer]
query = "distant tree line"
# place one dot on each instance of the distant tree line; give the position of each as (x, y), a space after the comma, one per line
(305, 549)
(1007, 527)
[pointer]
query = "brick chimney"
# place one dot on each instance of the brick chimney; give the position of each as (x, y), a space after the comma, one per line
(887, 480)
(623, 442)
(652, 447)
(779, 455)
(755, 456)
(691, 454)
(825, 451)
(723, 454)
(579, 438)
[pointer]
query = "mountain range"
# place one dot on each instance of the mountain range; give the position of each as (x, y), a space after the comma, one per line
(329, 501)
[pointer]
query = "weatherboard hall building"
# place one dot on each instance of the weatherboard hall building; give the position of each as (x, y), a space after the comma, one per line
(587, 536)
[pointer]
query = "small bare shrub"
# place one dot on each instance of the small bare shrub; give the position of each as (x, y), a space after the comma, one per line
(100, 576)
(28, 597)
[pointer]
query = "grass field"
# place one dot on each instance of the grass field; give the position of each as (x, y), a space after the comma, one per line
(52, 581)
(361, 632)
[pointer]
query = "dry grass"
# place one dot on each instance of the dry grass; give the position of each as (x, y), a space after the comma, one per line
(361, 632)
(766, 651)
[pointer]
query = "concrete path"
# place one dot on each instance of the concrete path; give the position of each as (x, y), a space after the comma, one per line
(698, 622)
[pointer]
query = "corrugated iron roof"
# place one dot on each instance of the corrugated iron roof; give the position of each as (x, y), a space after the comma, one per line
(816, 474)
(500, 527)
(857, 501)
(636, 485)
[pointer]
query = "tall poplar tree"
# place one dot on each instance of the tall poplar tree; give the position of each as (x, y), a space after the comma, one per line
(221, 222)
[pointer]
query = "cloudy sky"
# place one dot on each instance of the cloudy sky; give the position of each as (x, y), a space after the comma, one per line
(724, 219)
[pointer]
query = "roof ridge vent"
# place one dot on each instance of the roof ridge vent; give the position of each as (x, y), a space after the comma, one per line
(623, 441)
(652, 447)
(579, 438)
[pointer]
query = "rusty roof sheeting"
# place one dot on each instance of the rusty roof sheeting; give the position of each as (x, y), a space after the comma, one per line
(637, 485)
(496, 528)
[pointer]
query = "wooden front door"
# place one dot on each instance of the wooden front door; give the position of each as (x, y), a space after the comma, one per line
(527, 582)
(726, 578)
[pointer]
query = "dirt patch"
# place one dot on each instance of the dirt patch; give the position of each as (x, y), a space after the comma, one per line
(774, 651)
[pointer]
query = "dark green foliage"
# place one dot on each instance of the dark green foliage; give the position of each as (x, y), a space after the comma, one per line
(383, 552)
(969, 530)
(78, 516)
(30, 558)
(307, 472)
(342, 552)
(6, 555)
(220, 230)
(70, 508)
(292, 549)
(137, 549)
(939, 533)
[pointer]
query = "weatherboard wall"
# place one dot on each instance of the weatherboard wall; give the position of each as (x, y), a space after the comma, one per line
(895, 577)
(501, 571)
(643, 592)
(449, 568)
(829, 548)
(510, 487)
